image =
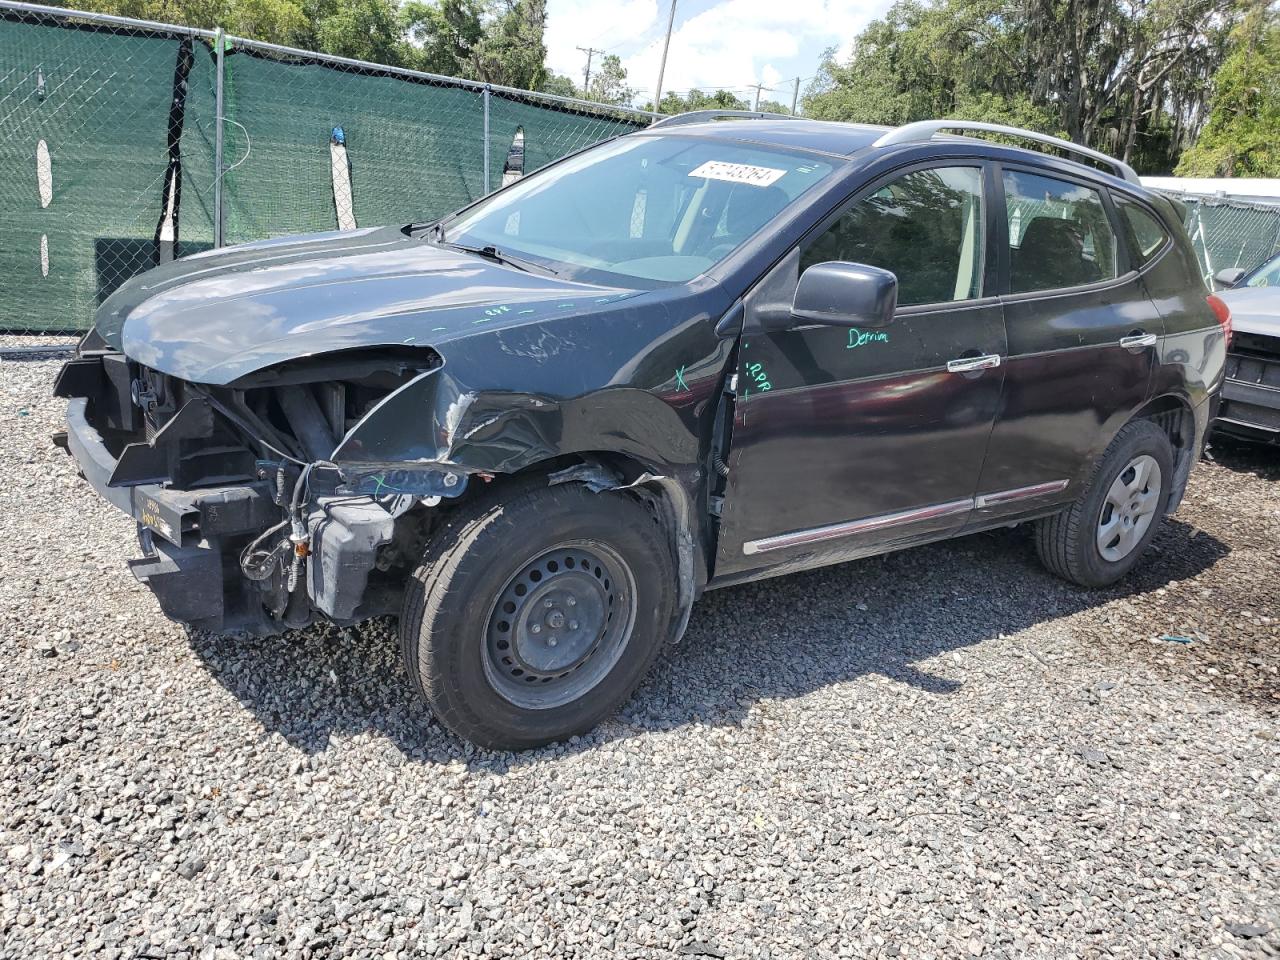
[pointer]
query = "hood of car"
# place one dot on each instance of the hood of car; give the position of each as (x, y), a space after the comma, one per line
(217, 316)
(1254, 309)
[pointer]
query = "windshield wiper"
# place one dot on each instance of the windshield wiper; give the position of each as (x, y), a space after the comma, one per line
(490, 252)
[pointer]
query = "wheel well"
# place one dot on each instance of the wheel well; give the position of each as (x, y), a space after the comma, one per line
(604, 471)
(1173, 416)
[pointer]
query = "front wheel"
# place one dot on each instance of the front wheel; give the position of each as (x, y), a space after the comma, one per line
(1099, 538)
(531, 620)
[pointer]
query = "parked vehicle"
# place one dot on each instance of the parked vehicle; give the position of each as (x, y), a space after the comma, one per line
(697, 355)
(1250, 406)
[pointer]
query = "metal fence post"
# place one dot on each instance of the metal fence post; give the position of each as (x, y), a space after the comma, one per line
(219, 41)
(486, 139)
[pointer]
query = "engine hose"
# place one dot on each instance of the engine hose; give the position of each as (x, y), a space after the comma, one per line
(722, 468)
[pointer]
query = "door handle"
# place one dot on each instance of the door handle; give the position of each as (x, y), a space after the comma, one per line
(971, 364)
(1138, 341)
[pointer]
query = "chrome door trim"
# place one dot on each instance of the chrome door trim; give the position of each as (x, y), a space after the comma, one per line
(835, 531)
(969, 364)
(1020, 493)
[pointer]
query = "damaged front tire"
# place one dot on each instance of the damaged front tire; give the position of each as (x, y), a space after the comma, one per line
(530, 620)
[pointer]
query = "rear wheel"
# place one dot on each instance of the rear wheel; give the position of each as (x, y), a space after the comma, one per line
(531, 620)
(1099, 538)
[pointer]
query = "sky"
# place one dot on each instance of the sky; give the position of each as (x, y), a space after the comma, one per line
(729, 44)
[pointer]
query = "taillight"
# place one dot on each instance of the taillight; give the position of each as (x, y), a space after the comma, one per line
(1222, 312)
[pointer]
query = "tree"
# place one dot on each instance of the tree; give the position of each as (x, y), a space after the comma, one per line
(559, 84)
(773, 106)
(1125, 76)
(1241, 134)
(444, 34)
(697, 100)
(276, 21)
(609, 82)
(360, 29)
(512, 52)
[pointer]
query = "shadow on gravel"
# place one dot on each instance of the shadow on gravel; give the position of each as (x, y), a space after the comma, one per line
(1262, 460)
(775, 639)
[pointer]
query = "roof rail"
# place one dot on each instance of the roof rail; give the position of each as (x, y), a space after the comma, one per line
(926, 129)
(698, 116)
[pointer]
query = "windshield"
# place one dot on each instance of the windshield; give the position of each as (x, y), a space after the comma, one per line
(1267, 275)
(646, 208)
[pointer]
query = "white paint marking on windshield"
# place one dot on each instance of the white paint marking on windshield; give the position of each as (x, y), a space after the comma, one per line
(738, 173)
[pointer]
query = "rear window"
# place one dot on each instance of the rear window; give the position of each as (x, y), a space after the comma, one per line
(1148, 235)
(1059, 234)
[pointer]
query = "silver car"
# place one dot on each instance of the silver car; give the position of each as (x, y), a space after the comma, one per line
(1251, 394)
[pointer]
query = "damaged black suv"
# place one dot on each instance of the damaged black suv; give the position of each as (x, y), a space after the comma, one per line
(701, 354)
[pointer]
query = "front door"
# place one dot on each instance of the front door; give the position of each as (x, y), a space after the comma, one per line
(845, 440)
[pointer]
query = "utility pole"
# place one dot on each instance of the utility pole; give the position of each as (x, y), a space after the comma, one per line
(758, 88)
(586, 80)
(795, 97)
(662, 66)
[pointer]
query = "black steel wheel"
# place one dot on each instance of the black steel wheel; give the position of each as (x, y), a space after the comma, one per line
(560, 624)
(532, 618)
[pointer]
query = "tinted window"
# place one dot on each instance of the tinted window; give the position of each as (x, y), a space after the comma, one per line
(661, 208)
(1059, 234)
(926, 227)
(1148, 235)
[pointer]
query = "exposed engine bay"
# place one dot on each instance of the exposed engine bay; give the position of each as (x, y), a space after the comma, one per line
(247, 518)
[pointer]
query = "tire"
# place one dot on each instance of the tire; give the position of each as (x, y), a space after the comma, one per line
(531, 619)
(1074, 545)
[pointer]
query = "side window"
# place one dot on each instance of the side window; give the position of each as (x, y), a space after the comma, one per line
(1148, 235)
(1059, 234)
(926, 227)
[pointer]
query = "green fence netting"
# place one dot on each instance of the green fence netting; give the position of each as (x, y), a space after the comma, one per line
(126, 116)
(84, 125)
(413, 149)
(548, 134)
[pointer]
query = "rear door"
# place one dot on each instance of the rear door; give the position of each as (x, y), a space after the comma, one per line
(847, 440)
(1083, 338)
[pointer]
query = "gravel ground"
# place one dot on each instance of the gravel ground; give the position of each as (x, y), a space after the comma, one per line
(946, 753)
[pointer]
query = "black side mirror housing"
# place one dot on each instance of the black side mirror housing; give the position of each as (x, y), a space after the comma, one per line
(1229, 276)
(839, 294)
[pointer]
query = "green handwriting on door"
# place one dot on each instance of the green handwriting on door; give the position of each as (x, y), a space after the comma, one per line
(858, 338)
(757, 377)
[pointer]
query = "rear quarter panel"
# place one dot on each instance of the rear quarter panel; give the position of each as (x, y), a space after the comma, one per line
(1193, 352)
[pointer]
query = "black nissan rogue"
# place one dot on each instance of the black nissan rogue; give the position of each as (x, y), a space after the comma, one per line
(704, 353)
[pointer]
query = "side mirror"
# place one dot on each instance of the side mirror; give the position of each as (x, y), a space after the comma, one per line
(1229, 276)
(839, 294)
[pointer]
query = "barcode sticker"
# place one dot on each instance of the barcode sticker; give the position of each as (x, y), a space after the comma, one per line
(738, 173)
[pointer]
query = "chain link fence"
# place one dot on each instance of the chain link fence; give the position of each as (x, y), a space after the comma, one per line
(1231, 233)
(112, 133)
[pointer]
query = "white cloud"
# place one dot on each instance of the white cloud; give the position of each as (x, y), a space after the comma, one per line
(584, 23)
(733, 44)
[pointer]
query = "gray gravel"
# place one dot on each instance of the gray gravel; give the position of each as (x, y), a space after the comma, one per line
(947, 753)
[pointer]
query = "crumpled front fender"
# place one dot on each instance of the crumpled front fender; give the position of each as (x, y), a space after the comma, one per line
(439, 418)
